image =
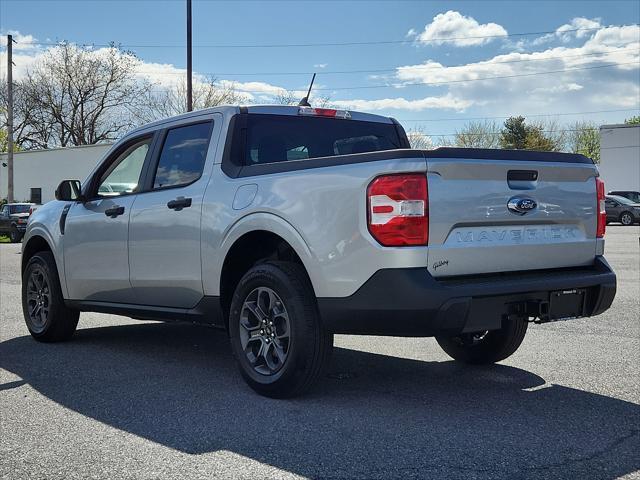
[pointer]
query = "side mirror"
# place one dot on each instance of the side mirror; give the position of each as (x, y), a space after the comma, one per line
(69, 190)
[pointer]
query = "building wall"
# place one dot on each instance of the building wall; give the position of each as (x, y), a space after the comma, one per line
(45, 169)
(620, 157)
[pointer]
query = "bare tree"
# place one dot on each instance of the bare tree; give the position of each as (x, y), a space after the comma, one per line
(418, 139)
(291, 97)
(163, 102)
(478, 135)
(77, 96)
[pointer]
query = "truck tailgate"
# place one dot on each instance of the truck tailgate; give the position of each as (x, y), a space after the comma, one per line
(472, 230)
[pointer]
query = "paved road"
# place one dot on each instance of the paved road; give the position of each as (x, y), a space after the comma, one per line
(129, 399)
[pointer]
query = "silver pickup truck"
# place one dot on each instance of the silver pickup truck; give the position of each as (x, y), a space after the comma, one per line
(285, 225)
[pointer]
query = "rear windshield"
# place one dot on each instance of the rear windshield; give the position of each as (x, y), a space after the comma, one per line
(19, 208)
(279, 138)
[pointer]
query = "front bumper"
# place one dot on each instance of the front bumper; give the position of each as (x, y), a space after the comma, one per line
(410, 302)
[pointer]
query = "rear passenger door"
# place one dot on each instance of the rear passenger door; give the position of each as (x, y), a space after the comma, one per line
(164, 228)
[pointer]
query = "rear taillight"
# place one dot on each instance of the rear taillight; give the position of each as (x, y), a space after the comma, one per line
(398, 210)
(602, 212)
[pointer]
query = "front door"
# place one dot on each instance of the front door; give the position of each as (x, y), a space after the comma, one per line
(164, 228)
(96, 231)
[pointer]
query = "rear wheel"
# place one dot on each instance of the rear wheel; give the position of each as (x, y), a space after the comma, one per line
(276, 333)
(626, 218)
(486, 347)
(47, 317)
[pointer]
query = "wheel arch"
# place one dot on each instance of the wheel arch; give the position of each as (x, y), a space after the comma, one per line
(36, 241)
(35, 244)
(256, 240)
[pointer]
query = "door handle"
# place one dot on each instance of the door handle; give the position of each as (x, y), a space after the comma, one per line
(179, 203)
(113, 212)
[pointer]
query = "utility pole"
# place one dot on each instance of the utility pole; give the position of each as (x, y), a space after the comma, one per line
(189, 63)
(10, 118)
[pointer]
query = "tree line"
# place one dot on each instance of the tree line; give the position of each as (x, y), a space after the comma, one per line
(79, 96)
(516, 133)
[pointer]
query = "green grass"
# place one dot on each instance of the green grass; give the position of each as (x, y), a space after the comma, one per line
(4, 239)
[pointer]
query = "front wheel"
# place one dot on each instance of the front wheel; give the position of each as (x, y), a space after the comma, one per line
(486, 347)
(626, 219)
(14, 235)
(276, 332)
(47, 317)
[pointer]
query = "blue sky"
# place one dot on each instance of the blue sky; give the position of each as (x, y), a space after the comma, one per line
(590, 34)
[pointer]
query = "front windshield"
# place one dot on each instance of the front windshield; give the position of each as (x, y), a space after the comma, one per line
(19, 208)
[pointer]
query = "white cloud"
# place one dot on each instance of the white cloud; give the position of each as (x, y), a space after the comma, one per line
(452, 27)
(525, 90)
(443, 102)
(320, 65)
(21, 42)
(579, 27)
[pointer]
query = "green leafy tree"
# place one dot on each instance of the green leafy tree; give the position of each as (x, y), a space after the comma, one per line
(4, 142)
(633, 120)
(518, 135)
(584, 138)
(514, 134)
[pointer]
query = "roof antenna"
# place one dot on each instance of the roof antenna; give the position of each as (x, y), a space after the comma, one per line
(305, 100)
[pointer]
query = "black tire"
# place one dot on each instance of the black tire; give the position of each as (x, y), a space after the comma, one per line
(14, 235)
(626, 219)
(308, 345)
(486, 347)
(53, 321)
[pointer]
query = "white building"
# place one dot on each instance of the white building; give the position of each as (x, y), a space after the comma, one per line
(620, 157)
(37, 173)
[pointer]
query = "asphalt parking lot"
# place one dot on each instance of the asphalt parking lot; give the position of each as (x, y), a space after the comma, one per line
(129, 399)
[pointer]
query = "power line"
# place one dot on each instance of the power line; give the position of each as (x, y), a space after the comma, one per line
(382, 70)
(359, 87)
(338, 44)
(466, 119)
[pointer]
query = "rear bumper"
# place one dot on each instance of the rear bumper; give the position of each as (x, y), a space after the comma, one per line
(410, 302)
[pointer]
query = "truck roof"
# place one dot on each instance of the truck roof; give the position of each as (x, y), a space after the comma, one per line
(259, 109)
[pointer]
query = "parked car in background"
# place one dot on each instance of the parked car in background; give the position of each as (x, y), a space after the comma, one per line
(13, 220)
(621, 209)
(630, 194)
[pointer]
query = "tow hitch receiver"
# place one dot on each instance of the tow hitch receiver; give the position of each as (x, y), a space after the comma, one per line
(562, 305)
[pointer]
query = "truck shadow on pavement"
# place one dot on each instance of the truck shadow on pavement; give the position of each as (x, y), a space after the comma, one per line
(375, 416)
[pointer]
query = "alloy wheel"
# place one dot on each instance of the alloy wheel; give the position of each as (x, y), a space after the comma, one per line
(38, 299)
(265, 331)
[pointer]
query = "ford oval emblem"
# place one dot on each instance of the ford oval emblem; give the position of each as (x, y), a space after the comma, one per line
(521, 205)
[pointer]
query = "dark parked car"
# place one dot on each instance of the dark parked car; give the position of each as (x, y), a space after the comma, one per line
(630, 194)
(621, 209)
(14, 218)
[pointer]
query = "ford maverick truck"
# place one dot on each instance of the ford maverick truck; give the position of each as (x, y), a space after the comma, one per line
(286, 225)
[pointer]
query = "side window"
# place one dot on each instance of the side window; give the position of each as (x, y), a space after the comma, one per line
(5, 211)
(183, 155)
(123, 175)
